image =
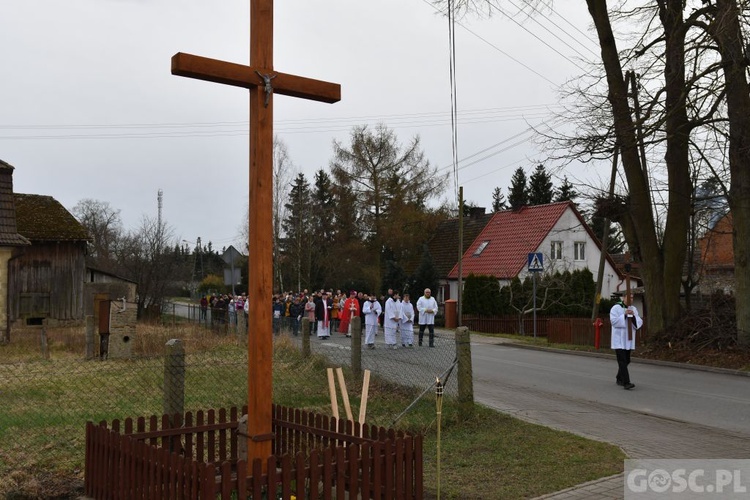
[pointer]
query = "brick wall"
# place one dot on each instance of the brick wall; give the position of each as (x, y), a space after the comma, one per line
(716, 247)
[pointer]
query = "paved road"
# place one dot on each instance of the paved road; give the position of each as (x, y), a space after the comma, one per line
(672, 412)
(715, 400)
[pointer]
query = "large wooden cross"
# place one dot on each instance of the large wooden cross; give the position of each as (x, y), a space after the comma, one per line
(263, 82)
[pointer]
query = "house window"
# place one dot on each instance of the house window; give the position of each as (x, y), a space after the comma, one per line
(556, 250)
(481, 247)
(579, 250)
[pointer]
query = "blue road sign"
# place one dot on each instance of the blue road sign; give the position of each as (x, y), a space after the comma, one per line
(536, 262)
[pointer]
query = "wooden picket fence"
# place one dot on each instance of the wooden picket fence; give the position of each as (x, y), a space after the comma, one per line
(196, 456)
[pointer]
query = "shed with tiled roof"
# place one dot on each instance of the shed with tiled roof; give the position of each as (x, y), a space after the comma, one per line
(46, 274)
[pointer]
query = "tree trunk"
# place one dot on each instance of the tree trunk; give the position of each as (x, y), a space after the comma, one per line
(728, 35)
(639, 204)
(677, 157)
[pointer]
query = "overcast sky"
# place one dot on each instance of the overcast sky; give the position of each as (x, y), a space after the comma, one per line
(89, 109)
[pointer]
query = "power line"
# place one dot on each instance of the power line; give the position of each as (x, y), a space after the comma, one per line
(574, 38)
(514, 110)
(454, 96)
(214, 129)
(571, 61)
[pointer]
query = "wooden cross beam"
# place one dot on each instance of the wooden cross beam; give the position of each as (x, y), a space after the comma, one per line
(259, 77)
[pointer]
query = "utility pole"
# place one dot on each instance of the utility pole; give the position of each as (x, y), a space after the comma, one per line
(605, 240)
(459, 300)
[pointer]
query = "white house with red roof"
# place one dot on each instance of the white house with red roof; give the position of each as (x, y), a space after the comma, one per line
(555, 230)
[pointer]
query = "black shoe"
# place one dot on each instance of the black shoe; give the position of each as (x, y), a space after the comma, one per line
(628, 386)
(619, 382)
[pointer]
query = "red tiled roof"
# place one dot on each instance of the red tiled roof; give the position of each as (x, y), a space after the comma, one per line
(512, 235)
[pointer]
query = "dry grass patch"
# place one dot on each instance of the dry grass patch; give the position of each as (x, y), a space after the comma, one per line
(47, 402)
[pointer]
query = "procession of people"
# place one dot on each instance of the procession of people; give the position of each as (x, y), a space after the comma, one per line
(333, 313)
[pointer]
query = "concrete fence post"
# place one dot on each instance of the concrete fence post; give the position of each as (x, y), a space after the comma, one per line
(305, 337)
(242, 438)
(465, 373)
(174, 378)
(356, 340)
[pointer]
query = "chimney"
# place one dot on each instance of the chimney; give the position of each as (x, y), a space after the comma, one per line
(476, 212)
(8, 229)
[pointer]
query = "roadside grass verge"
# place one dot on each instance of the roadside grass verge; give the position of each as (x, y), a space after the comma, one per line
(45, 404)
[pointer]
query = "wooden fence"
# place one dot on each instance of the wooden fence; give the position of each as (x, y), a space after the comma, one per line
(197, 456)
(558, 330)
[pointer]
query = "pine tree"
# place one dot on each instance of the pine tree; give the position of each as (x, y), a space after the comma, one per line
(323, 229)
(518, 194)
(540, 187)
(566, 192)
(297, 230)
(425, 276)
(498, 200)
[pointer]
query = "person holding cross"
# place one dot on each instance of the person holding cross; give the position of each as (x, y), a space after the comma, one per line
(625, 321)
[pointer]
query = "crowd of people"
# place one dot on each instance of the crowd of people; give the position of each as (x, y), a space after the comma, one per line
(333, 313)
(226, 309)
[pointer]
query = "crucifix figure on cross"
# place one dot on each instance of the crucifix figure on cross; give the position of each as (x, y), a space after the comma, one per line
(262, 81)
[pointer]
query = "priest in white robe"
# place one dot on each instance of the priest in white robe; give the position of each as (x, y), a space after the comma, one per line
(392, 320)
(371, 310)
(625, 322)
(407, 322)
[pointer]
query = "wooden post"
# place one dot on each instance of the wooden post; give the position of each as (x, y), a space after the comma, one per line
(306, 338)
(332, 394)
(174, 379)
(465, 373)
(628, 300)
(355, 325)
(344, 394)
(363, 401)
(90, 325)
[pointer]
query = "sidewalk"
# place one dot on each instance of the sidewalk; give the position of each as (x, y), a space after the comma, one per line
(639, 435)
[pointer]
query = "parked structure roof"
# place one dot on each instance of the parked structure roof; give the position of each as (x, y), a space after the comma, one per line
(43, 218)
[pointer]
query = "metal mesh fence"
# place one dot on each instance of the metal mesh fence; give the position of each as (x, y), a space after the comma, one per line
(45, 401)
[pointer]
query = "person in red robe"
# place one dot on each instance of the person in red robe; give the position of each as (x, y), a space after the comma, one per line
(349, 310)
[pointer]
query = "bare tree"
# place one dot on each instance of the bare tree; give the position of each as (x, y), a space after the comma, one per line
(685, 96)
(283, 173)
(103, 224)
(146, 256)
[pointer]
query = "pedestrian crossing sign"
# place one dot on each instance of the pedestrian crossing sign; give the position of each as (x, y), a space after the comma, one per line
(536, 262)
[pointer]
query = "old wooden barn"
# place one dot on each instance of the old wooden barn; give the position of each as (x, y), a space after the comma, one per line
(45, 250)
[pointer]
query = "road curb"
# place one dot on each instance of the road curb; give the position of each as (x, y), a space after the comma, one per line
(672, 364)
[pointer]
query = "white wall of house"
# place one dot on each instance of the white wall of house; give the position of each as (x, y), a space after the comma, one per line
(574, 249)
(577, 250)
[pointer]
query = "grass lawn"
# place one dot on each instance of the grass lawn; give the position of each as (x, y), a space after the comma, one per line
(42, 417)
